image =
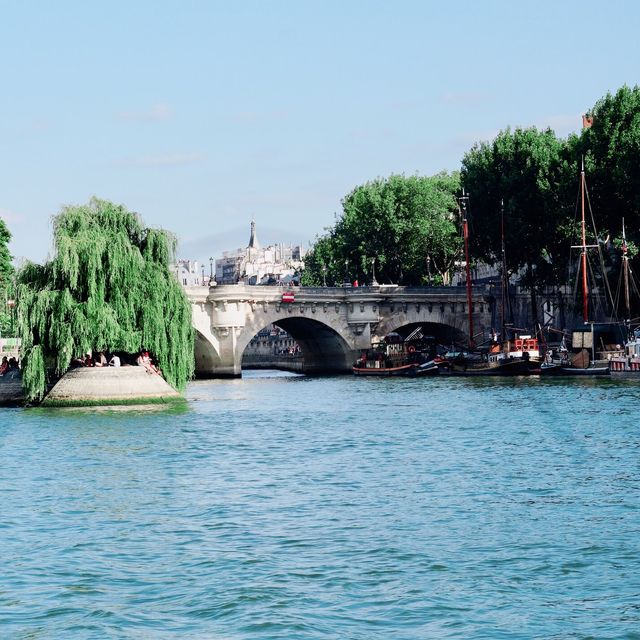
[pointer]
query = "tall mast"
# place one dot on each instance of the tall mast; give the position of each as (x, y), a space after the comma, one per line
(625, 271)
(583, 257)
(465, 231)
(504, 272)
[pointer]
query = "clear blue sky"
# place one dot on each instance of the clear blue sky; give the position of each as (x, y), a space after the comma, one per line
(202, 115)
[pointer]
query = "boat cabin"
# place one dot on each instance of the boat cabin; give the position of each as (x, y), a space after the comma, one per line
(523, 344)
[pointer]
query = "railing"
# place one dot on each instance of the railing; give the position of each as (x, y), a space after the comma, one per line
(388, 289)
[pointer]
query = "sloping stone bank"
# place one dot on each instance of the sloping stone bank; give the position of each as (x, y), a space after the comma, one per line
(110, 386)
(11, 389)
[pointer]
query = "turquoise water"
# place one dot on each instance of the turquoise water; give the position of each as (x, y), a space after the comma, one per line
(289, 507)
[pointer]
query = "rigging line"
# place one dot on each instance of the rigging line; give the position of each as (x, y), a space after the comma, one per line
(600, 254)
(596, 296)
(619, 289)
(576, 281)
(634, 283)
(569, 262)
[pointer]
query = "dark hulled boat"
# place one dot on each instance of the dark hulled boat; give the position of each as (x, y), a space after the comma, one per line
(396, 356)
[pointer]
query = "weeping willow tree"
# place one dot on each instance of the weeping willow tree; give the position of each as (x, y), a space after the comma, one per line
(107, 288)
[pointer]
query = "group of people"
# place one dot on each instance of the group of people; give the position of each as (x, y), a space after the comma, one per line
(8, 364)
(100, 359)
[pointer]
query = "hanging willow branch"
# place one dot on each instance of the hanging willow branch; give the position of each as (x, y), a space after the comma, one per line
(107, 288)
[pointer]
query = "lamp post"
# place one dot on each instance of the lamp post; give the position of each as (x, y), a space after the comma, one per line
(12, 305)
(203, 275)
(324, 275)
(373, 273)
(211, 270)
(346, 270)
(429, 269)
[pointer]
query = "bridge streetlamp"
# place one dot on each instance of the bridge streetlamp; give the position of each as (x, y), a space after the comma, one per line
(202, 275)
(12, 307)
(346, 271)
(429, 269)
(324, 275)
(210, 270)
(373, 273)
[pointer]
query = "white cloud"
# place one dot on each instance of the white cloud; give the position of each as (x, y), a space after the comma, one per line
(177, 159)
(157, 113)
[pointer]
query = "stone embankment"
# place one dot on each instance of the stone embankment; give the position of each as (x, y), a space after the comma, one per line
(11, 389)
(283, 362)
(92, 386)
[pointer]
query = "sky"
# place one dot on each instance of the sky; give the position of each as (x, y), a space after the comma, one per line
(203, 115)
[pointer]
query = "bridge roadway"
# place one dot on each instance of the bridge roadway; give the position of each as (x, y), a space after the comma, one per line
(331, 324)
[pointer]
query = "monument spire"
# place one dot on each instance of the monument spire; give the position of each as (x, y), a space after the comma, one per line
(253, 240)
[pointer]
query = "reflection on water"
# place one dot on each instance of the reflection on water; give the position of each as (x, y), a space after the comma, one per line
(283, 506)
(251, 374)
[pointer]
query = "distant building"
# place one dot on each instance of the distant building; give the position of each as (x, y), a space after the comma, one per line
(274, 264)
(272, 341)
(187, 274)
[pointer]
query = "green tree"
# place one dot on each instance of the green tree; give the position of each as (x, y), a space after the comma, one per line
(7, 274)
(405, 225)
(527, 170)
(612, 151)
(107, 288)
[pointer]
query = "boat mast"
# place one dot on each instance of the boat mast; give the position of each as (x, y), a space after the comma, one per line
(625, 271)
(583, 257)
(465, 231)
(505, 282)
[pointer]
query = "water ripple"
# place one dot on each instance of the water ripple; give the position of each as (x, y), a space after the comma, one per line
(288, 507)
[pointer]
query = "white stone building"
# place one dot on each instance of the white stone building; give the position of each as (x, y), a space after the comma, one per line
(187, 274)
(274, 264)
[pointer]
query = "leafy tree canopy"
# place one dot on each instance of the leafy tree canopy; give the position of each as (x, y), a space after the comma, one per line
(107, 288)
(611, 147)
(406, 225)
(526, 173)
(6, 278)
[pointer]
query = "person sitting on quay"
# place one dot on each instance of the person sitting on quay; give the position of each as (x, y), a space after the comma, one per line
(143, 360)
(100, 360)
(150, 363)
(4, 367)
(78, 362)
(115, 361)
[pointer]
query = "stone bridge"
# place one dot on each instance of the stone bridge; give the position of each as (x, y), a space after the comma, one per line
(330, 324)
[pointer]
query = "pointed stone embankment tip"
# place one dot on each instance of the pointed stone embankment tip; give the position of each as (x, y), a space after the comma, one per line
(104, 386)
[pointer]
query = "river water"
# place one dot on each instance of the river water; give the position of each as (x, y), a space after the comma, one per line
(280, 506)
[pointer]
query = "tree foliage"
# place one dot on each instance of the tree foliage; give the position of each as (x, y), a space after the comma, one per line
(523, 173)
(611, 147)
(107, 288)
(406, 225)
(7, 274)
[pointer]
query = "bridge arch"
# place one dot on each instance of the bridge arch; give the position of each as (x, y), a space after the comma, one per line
(206, 356)
(323, 348)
